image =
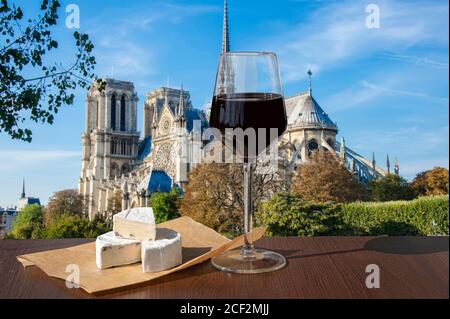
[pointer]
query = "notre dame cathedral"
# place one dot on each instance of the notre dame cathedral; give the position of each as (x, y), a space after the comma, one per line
(117, 158)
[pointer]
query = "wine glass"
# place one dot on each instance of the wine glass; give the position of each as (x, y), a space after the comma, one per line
(248, 99)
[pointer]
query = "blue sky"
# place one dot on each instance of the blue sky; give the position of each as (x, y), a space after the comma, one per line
(386, 88)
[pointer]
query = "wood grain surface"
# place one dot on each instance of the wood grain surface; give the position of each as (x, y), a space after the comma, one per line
(318, 267)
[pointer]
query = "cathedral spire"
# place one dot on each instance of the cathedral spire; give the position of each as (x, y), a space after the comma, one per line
(309, 82)
(396, 167)
(155, 116)
(388, 164)
(166, 97)
(181, 104)
(23, 189)
(342, 149)
(374, 163)
(225, 33)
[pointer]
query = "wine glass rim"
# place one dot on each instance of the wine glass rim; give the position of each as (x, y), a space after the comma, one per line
(249, 53)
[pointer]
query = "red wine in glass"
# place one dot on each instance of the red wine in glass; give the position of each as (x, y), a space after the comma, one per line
(261, 112)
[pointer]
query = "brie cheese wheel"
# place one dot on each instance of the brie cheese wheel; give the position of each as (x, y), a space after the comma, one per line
(111, 251)
(135, 223)
(163, 253)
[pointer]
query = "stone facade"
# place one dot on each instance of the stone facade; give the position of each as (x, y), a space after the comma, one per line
(110, 142)
(116, 159)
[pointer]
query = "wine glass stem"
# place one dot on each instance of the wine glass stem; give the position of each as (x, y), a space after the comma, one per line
(248, 248)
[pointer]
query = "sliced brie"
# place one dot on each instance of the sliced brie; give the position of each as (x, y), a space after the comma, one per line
(163, 253)
(111, 251)
(135, 223)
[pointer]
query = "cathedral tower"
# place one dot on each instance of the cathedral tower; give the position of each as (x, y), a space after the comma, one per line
(110, 142)
(310, 129)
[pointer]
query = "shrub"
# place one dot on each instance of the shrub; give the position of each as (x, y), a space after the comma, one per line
(286, 215)
(165, 205)
(73, 226)
(422, 216)
(29, 225)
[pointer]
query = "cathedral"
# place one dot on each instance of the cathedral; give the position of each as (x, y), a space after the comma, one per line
(118, 159)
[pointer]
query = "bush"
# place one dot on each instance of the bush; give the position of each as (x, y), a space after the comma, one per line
(286, 215)
(165, 205)
(29, 225)
(73, 226)
(422, 216)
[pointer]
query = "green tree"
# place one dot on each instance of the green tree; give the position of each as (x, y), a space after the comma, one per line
(165, 205)
(390, 187)
(30, 87)
(28, 223)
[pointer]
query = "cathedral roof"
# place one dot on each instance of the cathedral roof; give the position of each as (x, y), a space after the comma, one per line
(194, 115)
(304, 111)
(159, 182)
(24, 201)
(145, 147)
(156, 181)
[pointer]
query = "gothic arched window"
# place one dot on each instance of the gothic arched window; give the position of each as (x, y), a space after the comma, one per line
(122, 113)
(125, 169)
(113, 111)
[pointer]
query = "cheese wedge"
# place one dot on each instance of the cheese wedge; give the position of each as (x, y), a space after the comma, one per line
(135, 223)
(163, 253)
(111, 251)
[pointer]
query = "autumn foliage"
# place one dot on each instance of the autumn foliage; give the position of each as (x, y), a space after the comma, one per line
(325, 179)
(214, 195)
(431, 182)
(67, 202)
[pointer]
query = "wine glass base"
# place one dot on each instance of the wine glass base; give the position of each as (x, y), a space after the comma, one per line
(258, 261)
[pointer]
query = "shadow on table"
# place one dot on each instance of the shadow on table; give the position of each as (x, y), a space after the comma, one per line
(408, 245)
(190, 253)
(386, 244)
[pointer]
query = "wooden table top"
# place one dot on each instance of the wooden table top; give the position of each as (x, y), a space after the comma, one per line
(318, 267)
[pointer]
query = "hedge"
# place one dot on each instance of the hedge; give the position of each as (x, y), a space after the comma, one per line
(422, 216)
(286, 215)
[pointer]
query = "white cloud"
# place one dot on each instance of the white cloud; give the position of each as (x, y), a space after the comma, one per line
(123, 55)
(417, 60)
(337, 33)
(363, 92)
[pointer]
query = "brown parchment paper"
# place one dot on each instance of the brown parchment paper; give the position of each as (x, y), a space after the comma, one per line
(199, 242)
